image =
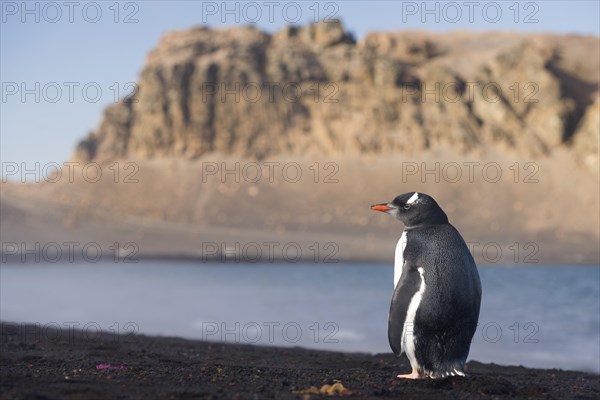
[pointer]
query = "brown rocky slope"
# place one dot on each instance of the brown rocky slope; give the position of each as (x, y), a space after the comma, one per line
(316, 90)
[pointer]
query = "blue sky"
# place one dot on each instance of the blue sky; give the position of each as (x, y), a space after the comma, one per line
(83, 55)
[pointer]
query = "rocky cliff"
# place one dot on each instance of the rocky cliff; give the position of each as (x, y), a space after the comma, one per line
(315, 89)
(393, 113)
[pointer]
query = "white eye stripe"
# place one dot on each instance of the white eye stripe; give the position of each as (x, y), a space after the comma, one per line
(413, 198)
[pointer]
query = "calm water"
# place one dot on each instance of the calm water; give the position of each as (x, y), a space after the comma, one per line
(538, 316)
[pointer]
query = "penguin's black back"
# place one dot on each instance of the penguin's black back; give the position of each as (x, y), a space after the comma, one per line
(447, 316)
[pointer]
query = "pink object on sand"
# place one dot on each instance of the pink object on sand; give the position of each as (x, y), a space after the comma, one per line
(109, 366)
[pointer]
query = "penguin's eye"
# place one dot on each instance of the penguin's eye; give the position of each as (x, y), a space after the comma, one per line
(406, 207)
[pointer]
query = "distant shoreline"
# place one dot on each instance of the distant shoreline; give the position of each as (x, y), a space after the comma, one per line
(30, 259)
(185, 219)
(56, 364)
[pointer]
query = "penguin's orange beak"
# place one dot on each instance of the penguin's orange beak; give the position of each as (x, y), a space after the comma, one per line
(380, 207)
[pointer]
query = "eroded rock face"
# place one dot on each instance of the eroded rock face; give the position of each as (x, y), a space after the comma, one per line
(314, 89)
(585, 142)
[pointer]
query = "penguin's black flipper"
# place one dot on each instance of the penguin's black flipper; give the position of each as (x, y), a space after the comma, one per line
(406, 288)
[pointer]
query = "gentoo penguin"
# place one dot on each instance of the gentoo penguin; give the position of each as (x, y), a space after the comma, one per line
(437, 292)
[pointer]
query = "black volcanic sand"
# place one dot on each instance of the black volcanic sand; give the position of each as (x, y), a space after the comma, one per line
(48, 364)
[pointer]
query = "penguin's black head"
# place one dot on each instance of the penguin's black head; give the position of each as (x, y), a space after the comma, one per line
(414, 209)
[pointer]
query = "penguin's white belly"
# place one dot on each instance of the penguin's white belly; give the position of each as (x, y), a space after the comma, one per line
(399, 258)
(408, 337)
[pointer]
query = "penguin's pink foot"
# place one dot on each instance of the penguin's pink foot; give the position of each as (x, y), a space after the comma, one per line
(412, 375)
